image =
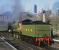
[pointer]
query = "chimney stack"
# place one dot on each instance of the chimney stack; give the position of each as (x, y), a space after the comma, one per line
(44, 17)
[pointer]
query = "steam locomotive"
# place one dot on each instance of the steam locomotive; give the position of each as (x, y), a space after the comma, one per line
(36, 32)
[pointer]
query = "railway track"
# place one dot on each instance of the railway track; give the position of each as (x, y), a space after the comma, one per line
(22, 45)
(19, 44)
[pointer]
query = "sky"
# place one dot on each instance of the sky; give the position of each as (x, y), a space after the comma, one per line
(6, 5)
(27, 5)
(41, 4)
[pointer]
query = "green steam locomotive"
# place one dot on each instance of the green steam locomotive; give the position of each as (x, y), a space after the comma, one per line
(37, 32)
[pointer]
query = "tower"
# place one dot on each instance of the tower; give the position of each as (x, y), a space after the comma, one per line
(35, 8)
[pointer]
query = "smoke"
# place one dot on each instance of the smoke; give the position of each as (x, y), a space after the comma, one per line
(12, 6)
(17, 9)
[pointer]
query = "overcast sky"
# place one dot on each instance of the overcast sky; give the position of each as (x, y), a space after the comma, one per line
(27, 5)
